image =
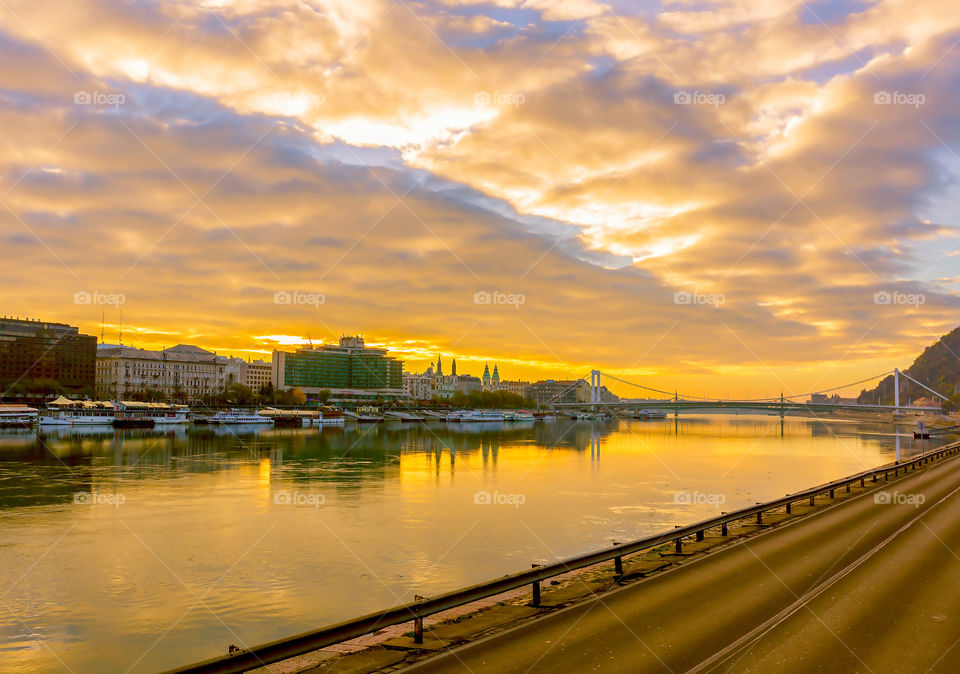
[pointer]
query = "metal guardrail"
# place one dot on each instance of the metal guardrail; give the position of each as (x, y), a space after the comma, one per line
(306, 642)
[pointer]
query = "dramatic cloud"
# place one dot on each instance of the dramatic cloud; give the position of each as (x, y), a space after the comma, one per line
(676, 193)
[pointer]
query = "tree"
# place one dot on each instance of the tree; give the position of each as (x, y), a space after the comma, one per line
(238, 394)
(324, 395)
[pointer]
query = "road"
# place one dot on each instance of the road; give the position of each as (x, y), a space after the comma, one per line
(856, 587)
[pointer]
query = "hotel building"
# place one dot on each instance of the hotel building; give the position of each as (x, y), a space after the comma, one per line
(182, 373)
(350, 370)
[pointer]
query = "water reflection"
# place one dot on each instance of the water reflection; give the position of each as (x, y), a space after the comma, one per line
(283, 530)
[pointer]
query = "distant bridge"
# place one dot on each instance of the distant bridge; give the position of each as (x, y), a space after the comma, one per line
(678, 402)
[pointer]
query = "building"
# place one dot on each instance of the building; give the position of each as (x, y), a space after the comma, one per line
(35, 353)
(552, 391)
(491, 382)
(417, 386)
(349, 369)
(521, 388)
(182, 373)
(467, 383)
(926, 402)
(254, 374)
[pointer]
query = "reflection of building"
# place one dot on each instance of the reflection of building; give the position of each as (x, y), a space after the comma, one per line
(58, 353)
(551, 391)
(254, 374)
(182, 372)
(349, 366)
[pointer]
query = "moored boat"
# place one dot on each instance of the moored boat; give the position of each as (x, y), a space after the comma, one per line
(235, 416)
(481, 415)
(18, 416)
(66, 412)
(135, 414)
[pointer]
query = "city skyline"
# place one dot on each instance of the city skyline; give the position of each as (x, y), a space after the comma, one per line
(558, 186)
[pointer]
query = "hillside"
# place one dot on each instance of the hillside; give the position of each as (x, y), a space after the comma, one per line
(938, 367)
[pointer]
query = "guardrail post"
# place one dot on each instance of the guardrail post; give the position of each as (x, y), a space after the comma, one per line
(618, 566)
(863, 481)
(874, 477)
(812, 501)
(831, 493)
(536, 588)
(418, 630)
(789, 505)
(723, 526)
(760, 519)
(700, 535)
(848, 487)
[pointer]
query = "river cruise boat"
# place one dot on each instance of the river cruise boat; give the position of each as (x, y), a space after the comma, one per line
(481, 415)
(66, 412)
(303, 418)
(135, 414)
(17, 416)
(239, 417)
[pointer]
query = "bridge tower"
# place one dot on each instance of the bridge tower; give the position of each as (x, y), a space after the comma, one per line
(595, 387)
(896, 391)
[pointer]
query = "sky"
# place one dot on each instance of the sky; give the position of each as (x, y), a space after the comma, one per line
(725, 197)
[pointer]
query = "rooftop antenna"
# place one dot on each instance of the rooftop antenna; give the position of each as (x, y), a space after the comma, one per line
(102, 317)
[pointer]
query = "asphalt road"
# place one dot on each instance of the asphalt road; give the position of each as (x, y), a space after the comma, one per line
(857, 587)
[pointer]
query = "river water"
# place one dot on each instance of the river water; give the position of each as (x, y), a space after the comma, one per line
(143, 550)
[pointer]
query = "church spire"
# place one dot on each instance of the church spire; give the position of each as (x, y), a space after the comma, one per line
(496, 374)
(439, 366)
(453, 368)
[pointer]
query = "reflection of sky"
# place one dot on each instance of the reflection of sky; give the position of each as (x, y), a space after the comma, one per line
(369, 519)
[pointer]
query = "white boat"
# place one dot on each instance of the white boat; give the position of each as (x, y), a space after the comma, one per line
(239, 417)
(518, 415)
(481, 415)
(652, 414)
(17, 416)
(66, 412)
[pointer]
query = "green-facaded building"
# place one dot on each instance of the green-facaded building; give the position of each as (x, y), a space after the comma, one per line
(349, 365)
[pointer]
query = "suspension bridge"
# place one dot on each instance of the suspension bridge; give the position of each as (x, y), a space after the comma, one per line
(784, 403)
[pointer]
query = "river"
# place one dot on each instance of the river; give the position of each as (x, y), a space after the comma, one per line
(142, 550)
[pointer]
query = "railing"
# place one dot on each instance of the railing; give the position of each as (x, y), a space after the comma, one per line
(282, 649)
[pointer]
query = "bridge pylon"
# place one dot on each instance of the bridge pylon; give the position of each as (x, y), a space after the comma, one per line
(595, 387)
